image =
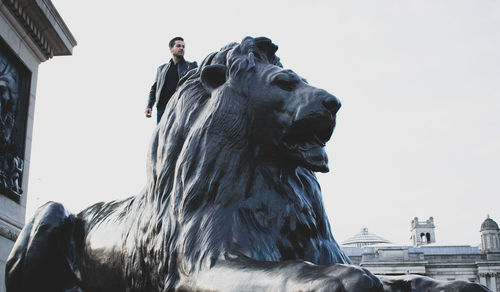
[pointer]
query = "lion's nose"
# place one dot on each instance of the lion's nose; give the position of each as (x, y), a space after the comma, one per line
(331, 103)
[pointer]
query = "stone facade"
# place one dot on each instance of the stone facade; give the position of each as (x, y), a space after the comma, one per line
(459, 262)
(31, 32)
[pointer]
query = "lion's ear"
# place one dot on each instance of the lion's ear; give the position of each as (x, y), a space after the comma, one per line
(266, 45)
(213, 76)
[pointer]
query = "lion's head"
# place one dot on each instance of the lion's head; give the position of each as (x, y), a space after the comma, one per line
(289, 119)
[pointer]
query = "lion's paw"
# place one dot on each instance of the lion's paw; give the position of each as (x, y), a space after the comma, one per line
(358, 279)
(428, 284)
(341, 278)
(420, 283)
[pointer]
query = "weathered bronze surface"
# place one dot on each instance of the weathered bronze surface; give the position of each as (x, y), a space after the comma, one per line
(231, 203)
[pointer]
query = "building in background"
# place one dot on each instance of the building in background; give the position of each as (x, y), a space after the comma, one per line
(364, 238)
(426, 257)
(422, 232)
(31, 32)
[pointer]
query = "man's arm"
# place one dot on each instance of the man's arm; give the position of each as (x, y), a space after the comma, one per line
(151, 100)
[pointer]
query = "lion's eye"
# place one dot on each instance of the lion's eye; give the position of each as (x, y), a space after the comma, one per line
(285, 82)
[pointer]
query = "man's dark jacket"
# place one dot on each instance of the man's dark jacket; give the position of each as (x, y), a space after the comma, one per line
(182, 67)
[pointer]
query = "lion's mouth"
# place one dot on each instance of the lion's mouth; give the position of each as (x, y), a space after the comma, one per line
(306, 139)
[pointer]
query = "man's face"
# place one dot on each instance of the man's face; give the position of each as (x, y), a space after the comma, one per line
(178, 49)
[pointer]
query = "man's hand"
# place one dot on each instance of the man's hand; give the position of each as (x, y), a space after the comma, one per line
(148, 112)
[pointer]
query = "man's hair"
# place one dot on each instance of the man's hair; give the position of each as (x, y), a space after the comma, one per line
(172, 41)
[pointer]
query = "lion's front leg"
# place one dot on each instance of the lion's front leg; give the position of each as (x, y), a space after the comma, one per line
(242, 274)
(419, 283)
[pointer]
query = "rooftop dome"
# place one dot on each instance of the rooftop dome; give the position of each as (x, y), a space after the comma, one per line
(364, 238)
(489, 224)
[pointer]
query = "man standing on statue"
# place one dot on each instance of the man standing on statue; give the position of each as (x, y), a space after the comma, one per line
(167, 77)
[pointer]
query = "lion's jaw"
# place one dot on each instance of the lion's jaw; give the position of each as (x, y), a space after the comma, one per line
(306, 137)
(305, 142)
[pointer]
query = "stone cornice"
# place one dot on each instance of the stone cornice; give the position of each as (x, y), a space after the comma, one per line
(44, 25)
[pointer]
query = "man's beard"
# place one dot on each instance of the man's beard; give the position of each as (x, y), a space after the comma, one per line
(178, 56)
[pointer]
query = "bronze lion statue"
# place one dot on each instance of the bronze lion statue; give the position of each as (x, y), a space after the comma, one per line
(231, 202)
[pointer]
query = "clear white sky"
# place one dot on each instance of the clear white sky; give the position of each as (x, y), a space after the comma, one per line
(418, 133)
